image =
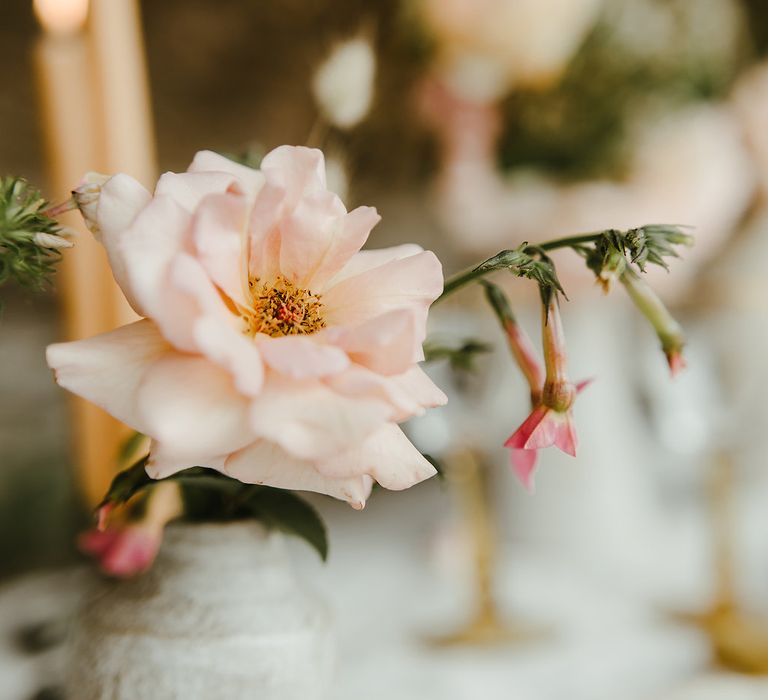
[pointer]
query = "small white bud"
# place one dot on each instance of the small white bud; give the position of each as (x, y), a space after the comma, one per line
(86, 198)
(50, 240)
(343, 84)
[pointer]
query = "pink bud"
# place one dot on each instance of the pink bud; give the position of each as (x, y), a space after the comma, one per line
(102, 515)
(127, 548)
(667, 328)
(676, 362)
(123, 552)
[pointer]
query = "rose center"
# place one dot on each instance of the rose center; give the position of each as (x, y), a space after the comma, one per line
(281, 309)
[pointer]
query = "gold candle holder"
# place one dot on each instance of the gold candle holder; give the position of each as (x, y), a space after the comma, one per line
(486, 626)
(739, 639)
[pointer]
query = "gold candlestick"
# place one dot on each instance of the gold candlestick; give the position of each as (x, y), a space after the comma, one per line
(486, 627)
(88, 292)
(739, 640)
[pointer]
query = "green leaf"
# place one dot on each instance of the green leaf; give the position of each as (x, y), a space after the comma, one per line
(290, 513)
(210, 495)
(134, 479)
(128, 483)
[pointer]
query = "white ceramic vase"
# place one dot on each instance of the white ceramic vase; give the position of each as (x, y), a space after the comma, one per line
(220, 615)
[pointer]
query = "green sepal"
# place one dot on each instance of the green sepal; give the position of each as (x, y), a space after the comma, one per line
(127, 483)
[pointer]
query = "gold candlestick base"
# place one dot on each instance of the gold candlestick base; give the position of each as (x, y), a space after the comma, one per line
(739, 640)
(486, 628)
(489, 631)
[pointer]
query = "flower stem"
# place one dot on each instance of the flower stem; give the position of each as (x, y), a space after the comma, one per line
(507, 259)
(553, 340)
(570, 241)
(57, 210)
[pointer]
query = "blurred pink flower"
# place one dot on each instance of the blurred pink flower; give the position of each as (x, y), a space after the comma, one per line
(272, 348)
(122, 552)
(125, 549)
(551, 421)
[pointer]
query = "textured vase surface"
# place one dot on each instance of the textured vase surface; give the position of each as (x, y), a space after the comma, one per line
(221, 615)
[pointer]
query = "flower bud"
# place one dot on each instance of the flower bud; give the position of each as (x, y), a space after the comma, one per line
(86, 198)
(128, 548)
(519, 342)
(553, 339)
(668, 330)
(612, 269)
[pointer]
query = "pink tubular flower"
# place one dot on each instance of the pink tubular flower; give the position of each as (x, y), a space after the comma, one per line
(128, 549)
(271, 349)
(551, 421)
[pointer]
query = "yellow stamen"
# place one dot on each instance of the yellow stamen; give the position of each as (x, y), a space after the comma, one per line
(281, 309)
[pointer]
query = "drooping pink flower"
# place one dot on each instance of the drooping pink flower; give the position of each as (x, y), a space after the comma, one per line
(551, 420)
(271, 348)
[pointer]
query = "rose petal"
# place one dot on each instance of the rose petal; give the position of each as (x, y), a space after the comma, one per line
(388, 344)
(265, 463)
(185, 294)
(387, 455)
(412, 282)
(227, 347)
(192, 406)
(408, 393)
(264, 233)
(164, 460)
(369, 259)
(310, 420)
(300, 357)
(218, 236)
(108, 368)
(319, 238)
(189, 189)
(250, 180)
(120, 202)
(297, 169)
(147, 248)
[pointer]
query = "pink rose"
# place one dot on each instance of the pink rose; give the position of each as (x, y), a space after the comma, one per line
(271, 349)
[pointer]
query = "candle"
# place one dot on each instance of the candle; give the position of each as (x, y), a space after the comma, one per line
(124, 133)
(89, 294)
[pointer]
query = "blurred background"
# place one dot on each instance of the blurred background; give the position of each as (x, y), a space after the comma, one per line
(638, 570)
